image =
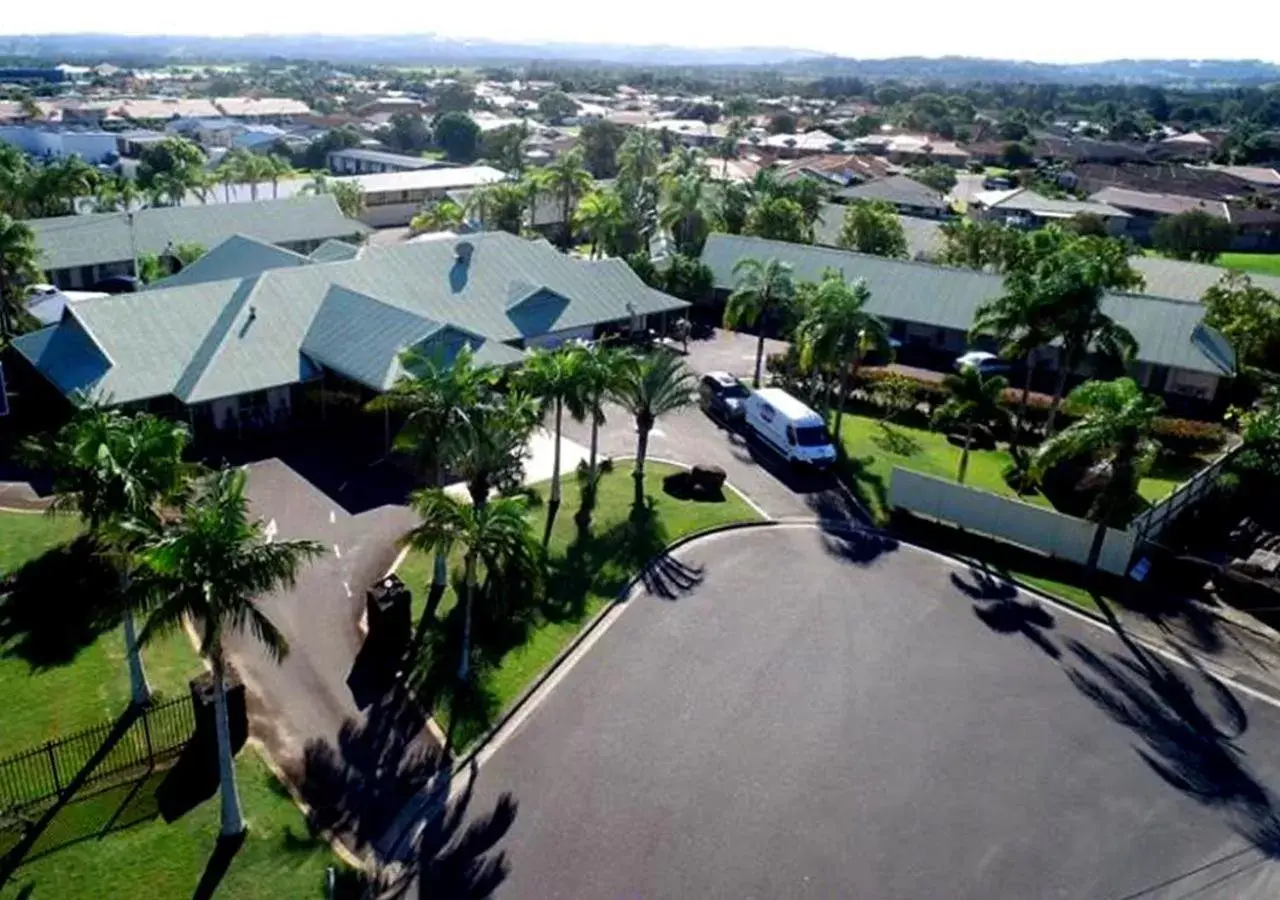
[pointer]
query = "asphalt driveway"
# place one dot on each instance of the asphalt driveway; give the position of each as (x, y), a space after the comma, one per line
(828, 717)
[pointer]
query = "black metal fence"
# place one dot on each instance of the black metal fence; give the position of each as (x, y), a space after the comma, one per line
(133, 741)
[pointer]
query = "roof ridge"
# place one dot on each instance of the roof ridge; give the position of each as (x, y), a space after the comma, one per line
(215, 338)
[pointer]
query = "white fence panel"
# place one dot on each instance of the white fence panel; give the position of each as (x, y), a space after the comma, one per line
(1045, 530)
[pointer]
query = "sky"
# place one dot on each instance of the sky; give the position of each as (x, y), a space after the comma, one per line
(1084, 30)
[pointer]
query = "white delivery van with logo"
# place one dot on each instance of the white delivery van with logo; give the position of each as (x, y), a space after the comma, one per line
(790, 427)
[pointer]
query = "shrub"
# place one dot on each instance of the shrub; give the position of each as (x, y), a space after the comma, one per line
(1188, 436)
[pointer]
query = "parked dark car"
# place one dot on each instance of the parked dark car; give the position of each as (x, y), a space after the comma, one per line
(723, 396)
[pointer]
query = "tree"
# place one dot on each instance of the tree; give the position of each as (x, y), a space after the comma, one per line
(782, 123)
(277, 168)
(455, 96)
(1195, 235)
(836, 331)
(974, 245)
(1115, 424)
(873, 227)
(349, 197)
(209, 566)
(568, 181)
(436, 396)
(494, 534)
(18, 269)
(639, 156)
(779, 219)
(940, 178)
(440, 215)
(649, 386)
(120, 474)
(600, 141)
(735, 205)
(974, 403)
(487, 448)
(176, 155)
(685, 211)
(761, 290)
(1016, 156)
(407, 131)
(557, 379)
(457, 135)
(601, 368)
(504, 147)
(1087, 224)
(499, 206)
(599, 215)
(316, 155)
(187, 253)
(1248, 316)
(688, 278)
(556, 106)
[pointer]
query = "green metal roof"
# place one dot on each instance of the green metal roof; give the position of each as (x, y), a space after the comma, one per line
(237, 257)
(1189, 280)
(334, 250)
(100, 238)
(1169, 332)
(213, 339)
(924, 236)
(896, 189)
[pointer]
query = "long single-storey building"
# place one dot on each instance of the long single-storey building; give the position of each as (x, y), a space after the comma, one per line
(930, 309)
(79, 251)
(238, 339)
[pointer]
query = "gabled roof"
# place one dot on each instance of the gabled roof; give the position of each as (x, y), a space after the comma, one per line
(1027, 200)
(99, 238)
(237, 257)
(1161, 204)
(211, 339)
(1189, 280)
(924, 236)
(1169, 332)
(898, 190)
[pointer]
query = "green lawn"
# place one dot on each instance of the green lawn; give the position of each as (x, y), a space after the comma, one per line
(585, 576)
(873, 454)
(59, 667)
(1259, 263)
(116, 844)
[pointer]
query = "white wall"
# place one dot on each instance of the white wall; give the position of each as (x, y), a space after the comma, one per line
(1052, 533)
(92, 146)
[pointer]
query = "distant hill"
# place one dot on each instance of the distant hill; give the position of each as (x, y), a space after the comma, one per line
(433, 49)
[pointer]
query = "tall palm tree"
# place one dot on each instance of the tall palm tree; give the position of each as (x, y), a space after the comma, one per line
(208, 567)
(558, 380)
(974, 403)
(227, 174)
(600, 215)
(602, 366)
(495, 534)
(761, 289)
(18, 268)
(686, 210)
(442, 215)
(639, 156)
(567, 180)
(119, 473)
(837, 331)
(436, 396)
(1116, 418)
(15, 179)
(487, 450)
(277, 168)
(649, 386)
(499, 206)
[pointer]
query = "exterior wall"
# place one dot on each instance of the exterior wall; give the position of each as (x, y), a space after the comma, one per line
(391, 208)
(274, 404)
(556, 338)
(1192, 384)
(92, 146)
(1052, 533)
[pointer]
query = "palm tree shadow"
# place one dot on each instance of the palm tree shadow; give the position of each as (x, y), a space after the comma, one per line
(459, 862)
(58, 604)
(997, 606)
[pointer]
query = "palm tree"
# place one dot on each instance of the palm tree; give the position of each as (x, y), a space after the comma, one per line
(1020, 322)
(436, 397)
(761, 289)
(639, 156)
(277, 168)
(495, 534)
(686, 210)
(15, 180)
(1115, 424)
(442, 215)
(974, 403)
(349, 197)
(18, 255)
(487, 450)
(119, 473)
(837, 331)
(557, 379)
(650, 385)
(601, 366)
(569, 181)
(600, 215)
(227, 173)
(499, 206)
(208, 567)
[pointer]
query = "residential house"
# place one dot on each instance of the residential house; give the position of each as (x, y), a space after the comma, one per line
(835, 169)
(929, 309)
(908, 196)
(278, 110)
(1192, 145)
(922, 150)
(394, 198)
(1256, 230)
(93, 146)
(790, 146)
(1188, 280)
(79, 251)
(690, 132)
(924, 236)
(260, 344)
(1025, 208)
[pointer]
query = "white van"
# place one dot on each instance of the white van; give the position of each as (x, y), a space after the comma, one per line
(790, 427)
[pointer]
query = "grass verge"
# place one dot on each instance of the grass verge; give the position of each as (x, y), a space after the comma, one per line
(1257, 263)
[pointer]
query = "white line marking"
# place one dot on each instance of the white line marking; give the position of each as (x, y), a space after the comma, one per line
(271, 531)
(333, 517)
(346, 586)
(399, 561)
(337, 551)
